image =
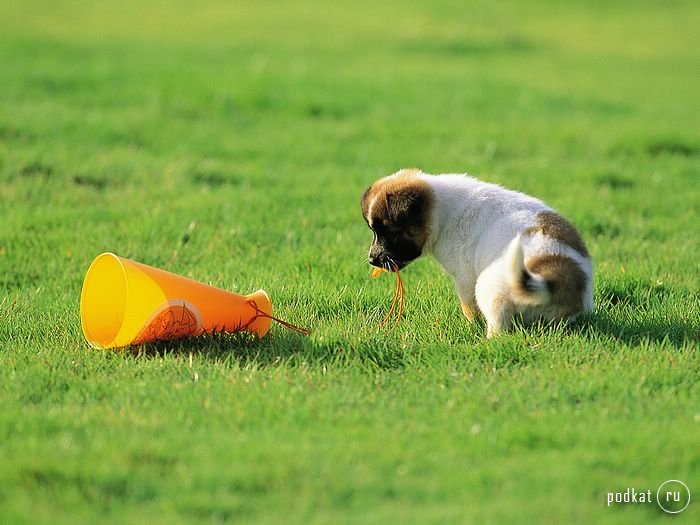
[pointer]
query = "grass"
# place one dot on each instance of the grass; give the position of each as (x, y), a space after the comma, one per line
(231, 144)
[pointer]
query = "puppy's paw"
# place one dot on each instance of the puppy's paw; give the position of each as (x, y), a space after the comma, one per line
(492, 331)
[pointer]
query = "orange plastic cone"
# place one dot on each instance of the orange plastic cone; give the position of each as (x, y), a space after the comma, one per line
(124, 302)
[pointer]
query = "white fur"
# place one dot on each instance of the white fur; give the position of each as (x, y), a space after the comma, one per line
(370, 207)
(475, 235)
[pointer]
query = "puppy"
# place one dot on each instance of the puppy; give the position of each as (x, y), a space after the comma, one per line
(509, 254)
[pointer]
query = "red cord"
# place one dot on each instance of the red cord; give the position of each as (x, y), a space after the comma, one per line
(259, 313)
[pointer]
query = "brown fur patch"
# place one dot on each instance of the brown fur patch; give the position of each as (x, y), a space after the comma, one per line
(566, 280)
(403, 201)
(553, 225)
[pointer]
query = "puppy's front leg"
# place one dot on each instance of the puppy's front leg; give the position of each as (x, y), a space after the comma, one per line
(468, 311)
(468, 301)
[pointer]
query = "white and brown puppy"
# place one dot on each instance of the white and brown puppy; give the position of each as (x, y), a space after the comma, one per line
(509, 254)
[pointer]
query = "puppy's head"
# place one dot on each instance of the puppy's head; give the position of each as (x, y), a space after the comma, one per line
(397, 209)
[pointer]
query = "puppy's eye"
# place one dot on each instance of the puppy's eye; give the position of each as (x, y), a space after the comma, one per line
(391, 229)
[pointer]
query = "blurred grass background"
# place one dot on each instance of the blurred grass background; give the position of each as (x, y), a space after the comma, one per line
(230, 142)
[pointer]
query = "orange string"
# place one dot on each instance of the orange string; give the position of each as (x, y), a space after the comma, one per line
(259, 313)
(398, 298)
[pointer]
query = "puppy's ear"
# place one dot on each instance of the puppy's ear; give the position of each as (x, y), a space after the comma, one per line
(364, 202)
(406, 206)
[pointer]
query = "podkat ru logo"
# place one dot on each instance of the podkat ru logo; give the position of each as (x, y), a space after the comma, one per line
(672, 496)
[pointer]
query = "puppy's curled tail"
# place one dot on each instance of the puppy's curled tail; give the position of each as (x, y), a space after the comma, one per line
(527, 288)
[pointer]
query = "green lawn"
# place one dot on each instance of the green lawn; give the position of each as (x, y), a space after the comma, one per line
(230, 142)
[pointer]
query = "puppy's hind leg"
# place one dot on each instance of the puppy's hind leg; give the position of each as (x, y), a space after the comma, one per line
(500, 316)
(494, 300)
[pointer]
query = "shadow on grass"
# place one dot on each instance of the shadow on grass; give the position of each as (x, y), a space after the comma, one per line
(635, 331)
(635, 310)
(244, 350)
(629, 311)
(240, 347)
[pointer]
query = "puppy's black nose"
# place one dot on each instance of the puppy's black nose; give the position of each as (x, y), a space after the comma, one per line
(375, 261)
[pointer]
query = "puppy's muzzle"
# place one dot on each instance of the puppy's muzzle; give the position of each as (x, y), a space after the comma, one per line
(377, 256)
(379, 262)
(382, 259)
